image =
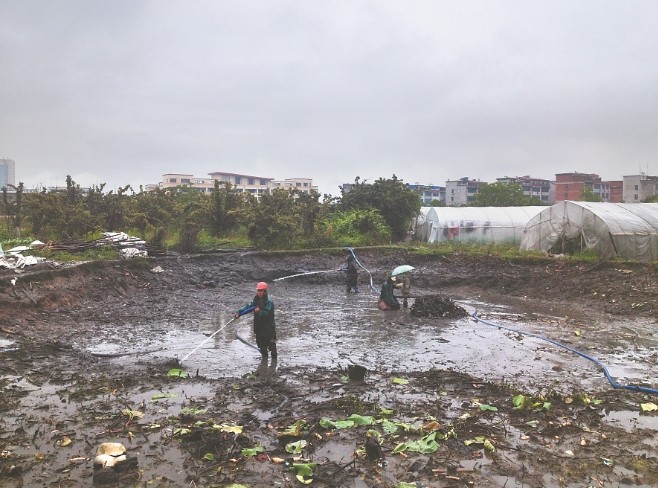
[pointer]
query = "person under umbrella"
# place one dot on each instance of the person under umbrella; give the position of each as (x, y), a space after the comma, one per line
(403, 275)
(387, 299)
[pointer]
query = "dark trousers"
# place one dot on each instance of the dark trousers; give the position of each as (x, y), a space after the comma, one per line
(266, 343)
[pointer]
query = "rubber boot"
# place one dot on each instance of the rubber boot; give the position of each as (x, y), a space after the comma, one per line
(273, 350)
(263, 353)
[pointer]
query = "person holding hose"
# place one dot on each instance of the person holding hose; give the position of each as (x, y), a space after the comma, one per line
(264, 324)
(352, 274)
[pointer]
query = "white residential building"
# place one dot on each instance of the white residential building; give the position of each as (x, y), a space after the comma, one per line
(638, 188)
(254, 185)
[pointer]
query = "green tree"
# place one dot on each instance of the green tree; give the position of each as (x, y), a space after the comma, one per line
(226, 209)
(501, 194)
(588, 195)
(396, 202)
(274, 224)
(352, 228)
(14, 209)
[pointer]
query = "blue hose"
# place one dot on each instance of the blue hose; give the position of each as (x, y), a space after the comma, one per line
(612, 381)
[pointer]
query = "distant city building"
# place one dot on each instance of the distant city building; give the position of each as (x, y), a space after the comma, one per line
(254, 185)
(462, 191)
(571, 186)
(7, 173)
(637, 188)
(305, 185)
(539, 188)
(429, 193)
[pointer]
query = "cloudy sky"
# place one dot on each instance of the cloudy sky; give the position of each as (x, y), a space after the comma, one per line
(121, 92)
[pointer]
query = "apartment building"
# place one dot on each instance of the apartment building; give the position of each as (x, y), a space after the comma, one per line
(254, 185)
(462, 191)
(637, 188)
(305, 185)
(539, 188)
(429, 193)
(570, 186)
(7, 173)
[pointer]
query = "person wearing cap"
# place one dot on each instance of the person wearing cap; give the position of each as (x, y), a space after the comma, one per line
(352, 274)
(387, 299)
(264, 324)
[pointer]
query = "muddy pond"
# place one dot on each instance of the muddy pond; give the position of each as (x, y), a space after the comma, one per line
(86, 347)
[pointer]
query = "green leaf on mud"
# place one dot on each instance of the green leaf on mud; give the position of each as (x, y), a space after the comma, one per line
(162, 396)
(487, 408)
(404, 484)
(361, 419)
(237, 485)
(296, 447)
(327, 423)
(181, 431)
(294, 430)
(234, 429)
(304, 472)
(424, 445)
(132, 414)
(519, 401)
(386, 411)
(607, 462)
(648, 407)
(486, 443)
(209, 456)
(192, 411)
(177, 372)
(389, 427)
(252, 451)
(400, 381)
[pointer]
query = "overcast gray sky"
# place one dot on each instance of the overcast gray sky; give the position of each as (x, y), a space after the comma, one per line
(123, 91)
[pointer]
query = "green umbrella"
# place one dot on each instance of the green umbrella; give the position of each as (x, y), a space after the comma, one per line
(405, 268)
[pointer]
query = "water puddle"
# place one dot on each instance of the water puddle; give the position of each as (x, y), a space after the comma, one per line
(333, 330)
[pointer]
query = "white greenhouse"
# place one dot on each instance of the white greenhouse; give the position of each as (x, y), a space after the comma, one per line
(626, 230)
(482, 225)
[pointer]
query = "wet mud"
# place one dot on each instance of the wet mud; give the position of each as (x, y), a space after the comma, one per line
(94, 353)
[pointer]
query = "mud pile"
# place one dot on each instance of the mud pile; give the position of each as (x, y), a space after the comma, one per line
(437, 306)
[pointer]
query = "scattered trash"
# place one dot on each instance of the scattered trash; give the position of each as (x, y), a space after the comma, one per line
(110, 462)
(109, 454)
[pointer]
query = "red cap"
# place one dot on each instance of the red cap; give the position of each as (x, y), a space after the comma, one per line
(261, 286)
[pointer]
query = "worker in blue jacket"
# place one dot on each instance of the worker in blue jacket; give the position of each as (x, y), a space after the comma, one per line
(264, 324)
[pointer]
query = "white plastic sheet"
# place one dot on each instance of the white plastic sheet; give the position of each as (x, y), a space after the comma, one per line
(626, 230)
(484, 225)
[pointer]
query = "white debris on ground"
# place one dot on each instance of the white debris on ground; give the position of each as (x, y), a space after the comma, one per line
(14, 259)
(129, 247)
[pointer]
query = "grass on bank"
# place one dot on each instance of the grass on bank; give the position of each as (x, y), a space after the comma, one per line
(206, 242)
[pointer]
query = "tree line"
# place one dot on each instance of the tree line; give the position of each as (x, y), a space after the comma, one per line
(185, 219)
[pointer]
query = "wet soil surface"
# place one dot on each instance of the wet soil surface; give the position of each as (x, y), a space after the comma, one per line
(143, 353)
